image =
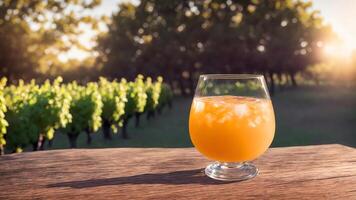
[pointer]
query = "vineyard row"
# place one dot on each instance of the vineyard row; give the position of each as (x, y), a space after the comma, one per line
(32, 113)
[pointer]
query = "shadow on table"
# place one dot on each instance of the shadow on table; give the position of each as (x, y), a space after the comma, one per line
(195, 176)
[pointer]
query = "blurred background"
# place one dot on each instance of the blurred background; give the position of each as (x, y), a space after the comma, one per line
(305, 49)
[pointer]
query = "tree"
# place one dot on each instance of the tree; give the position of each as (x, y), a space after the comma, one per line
(289, 34)
(182, 39)
(34, 32)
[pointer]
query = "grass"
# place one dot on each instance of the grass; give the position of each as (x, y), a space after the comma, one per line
(304, 116)
(315, 115)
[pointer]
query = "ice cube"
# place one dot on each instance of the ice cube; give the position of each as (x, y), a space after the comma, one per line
(209, 118)
(252, 124)
(258, 120)
(241, 110)
(226, 117)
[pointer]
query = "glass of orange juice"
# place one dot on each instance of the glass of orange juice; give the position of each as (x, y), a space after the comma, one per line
(231, 122)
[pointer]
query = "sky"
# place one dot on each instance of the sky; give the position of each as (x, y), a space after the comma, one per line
(340, 14)
(87, 39)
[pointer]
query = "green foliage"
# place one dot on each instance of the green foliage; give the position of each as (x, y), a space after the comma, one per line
(114, 100)
(85, 108)
(3, 122)
(184, 39)
(50, 108)
(34, 110)
(35, 32)
(136, 97)
(18, 115)
(153, 91)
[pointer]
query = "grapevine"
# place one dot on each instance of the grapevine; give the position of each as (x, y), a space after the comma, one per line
(3, 122)
(31, 113)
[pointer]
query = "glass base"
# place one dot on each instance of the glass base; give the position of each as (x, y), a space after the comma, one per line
(231, 171)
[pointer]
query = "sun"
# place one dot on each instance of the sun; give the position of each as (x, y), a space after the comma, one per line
(337, 50)
(340, 15)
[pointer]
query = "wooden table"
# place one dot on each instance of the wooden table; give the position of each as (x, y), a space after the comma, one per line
(308, 172)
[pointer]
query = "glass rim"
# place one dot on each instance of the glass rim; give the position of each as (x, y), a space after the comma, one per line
(231, 76)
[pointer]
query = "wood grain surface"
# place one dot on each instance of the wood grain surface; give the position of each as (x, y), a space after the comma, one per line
(308, 172)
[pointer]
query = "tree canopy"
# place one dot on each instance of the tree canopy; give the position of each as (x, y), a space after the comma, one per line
(176, 39)
(34, 32)
(182, 39)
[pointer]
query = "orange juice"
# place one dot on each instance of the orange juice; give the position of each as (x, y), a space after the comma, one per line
(231, 128)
